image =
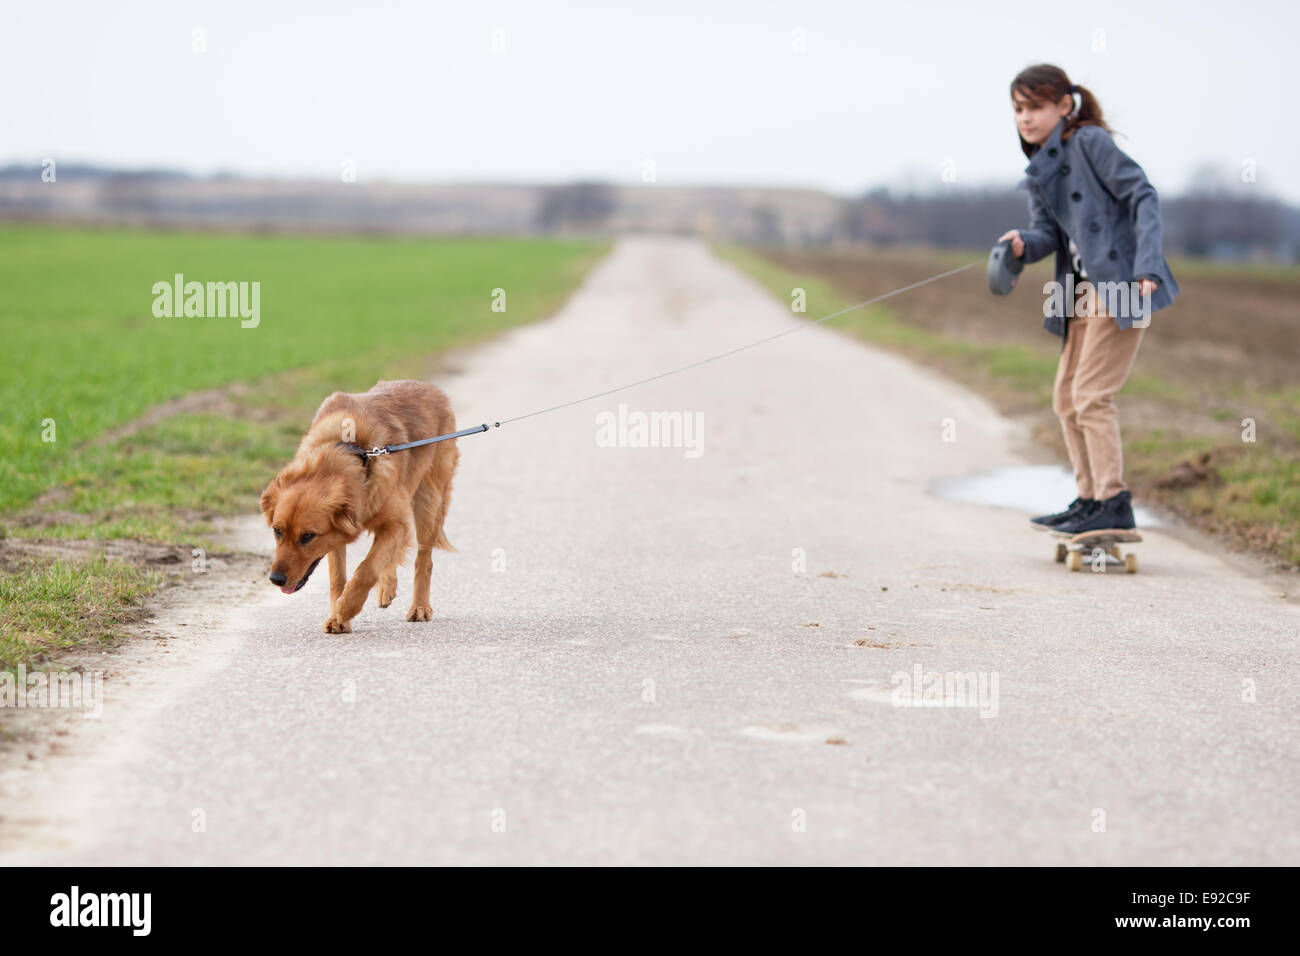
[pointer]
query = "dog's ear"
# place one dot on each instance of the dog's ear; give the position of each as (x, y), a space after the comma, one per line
(345, 519)
(269, 497)
(343, 509)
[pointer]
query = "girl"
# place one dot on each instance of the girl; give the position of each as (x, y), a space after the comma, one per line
(1093, 206)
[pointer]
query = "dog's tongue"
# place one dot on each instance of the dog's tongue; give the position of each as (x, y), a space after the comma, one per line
(287, 590)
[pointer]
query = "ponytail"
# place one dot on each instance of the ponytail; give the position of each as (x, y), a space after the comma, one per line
(1087, 112)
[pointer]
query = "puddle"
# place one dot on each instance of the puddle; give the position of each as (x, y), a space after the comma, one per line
(1031, 489)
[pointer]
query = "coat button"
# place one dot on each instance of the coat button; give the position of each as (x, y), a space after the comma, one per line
(1065, 169)
(1051, 151)
(1094, 227)
(1076, 196)
(1112, 254)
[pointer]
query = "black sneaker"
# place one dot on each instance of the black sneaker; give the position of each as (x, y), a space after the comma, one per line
(1114, 513)
(1049, 522)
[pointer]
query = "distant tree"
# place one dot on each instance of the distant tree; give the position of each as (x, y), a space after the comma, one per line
(582, 204)
(766, 225)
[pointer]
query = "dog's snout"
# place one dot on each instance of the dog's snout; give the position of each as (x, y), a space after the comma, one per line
(278, 578)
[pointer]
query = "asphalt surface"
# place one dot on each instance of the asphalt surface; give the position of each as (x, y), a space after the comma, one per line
(640, 655)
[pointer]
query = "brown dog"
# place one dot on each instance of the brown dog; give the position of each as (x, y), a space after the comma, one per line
(325, 498)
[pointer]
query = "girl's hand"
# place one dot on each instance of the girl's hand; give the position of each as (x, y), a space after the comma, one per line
(1146, 287)
(1017, 244)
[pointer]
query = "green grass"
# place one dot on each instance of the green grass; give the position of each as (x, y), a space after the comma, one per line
(155, 485)
(89, 354)
(49, 605)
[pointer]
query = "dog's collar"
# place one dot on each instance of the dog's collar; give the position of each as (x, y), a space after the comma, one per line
(362, 453)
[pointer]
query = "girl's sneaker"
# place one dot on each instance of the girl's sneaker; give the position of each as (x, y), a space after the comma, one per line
(1115, 513)
(1050, 522)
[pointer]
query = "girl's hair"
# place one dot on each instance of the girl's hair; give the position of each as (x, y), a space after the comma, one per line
(1045, 83)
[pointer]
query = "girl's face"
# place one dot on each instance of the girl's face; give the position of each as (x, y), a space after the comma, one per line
(1036, 122)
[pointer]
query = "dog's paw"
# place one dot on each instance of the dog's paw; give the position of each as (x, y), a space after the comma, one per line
(386, 592)
(335, 626)
(419, 613)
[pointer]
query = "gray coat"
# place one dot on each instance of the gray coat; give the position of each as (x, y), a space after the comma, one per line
(1088, 190)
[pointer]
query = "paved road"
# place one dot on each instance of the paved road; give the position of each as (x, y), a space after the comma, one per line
(640, 656)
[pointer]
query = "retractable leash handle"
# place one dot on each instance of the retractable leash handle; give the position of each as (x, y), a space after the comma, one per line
(1004, 268)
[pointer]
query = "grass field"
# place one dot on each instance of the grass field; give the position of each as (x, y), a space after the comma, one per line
(90, 356)
(1227, 351)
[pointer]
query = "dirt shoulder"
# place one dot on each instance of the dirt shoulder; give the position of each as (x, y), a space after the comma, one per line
(181, 606)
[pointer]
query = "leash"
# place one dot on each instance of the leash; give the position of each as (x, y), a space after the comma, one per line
(380, 450)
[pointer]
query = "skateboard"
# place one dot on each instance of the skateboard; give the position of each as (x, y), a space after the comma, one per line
(1097, 546)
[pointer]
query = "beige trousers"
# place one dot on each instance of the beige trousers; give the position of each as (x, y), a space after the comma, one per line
(1096, 360)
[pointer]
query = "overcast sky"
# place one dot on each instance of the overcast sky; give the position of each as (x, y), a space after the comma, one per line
(712, 92)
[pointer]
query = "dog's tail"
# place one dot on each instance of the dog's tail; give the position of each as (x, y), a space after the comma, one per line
(440, 541)
(445, 460)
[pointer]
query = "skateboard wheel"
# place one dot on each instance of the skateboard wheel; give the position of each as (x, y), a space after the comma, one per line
(1075, 562)
(1061, 552)
(1131, 563)
(1116, 553)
